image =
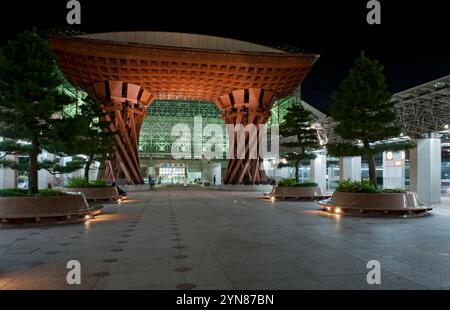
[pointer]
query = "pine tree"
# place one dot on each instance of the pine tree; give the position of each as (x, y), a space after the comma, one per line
(300, 137)
(88, 137)
(32, 106)
(364, 114)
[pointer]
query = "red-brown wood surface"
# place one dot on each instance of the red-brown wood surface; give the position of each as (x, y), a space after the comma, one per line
(127, 77)
(126, 105)
(248, 106)
(179, 73)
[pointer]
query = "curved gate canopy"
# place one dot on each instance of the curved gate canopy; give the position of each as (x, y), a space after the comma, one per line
(127, 70)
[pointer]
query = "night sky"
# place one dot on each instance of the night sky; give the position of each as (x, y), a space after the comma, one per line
(413, 41)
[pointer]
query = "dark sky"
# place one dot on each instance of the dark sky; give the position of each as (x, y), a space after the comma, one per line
(413, 41)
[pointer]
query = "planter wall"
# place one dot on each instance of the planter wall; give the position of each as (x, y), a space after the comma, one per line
(36, 209)
(377, 202)
(297, 192)
(96, 193)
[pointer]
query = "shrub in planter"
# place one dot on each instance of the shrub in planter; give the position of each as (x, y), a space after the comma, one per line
(98, 183)
(291, 188)
(294, 183)
(364, 186)
(287, 182)
(306, 184)
(394, 190)
(79, 182)
(93, 190)
(17, 192)
(13, 192)
(50, 193)
(361, 197)
(350, 186)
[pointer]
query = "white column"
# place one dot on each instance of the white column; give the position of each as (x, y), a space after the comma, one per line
(350, 168)
(425, 169)
(394, 169)
(318, 172)
(8, 177)
(214, 169)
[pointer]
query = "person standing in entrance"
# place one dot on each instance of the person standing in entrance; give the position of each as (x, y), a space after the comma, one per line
(214, 180)
(150, 181)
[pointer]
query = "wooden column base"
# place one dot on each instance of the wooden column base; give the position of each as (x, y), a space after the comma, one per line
(126, 106)
(246, 106)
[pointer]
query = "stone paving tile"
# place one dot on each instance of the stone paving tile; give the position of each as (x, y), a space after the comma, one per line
(157, 279)
(48, 283)
(284, 284)
(389, 281)
(229, 240)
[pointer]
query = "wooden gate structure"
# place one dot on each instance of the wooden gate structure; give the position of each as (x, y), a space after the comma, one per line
(128, 70)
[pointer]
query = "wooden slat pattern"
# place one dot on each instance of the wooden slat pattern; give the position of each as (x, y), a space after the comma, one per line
(239, 110)
(179, 73)
(126, 106)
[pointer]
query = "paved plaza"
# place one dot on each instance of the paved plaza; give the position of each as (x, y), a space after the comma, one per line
(173, 238)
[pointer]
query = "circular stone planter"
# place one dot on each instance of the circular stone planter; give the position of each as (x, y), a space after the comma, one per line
(374, 203)
(96, 193)
(40, 210)
(297, 192)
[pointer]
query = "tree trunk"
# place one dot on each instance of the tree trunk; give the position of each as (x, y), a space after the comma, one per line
(33, 173)
(372, 164)
(372, 170)
(87, 168)
(296, 171)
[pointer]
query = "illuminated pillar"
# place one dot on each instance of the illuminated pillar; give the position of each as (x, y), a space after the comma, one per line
(394, 169)
(318, 172)
(126, 106)
(350, 168)
(425, 169)
(245, 107)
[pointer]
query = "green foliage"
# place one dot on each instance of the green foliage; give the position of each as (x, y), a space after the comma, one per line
(364, 186)
(361, 105)
(54, 167)
(15, 192)
(50, 193)
(350, 186)
(394, 190)
(77, 182)
(294, 183)
(364, 112)
(80, 182)
(32, 105)
(306, 184)
(88, 137)
(287, 182)
(29, 87)
(98, 183)
(297, 124)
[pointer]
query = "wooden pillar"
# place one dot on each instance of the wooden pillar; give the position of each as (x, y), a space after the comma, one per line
(126, 106)
(245, 106)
